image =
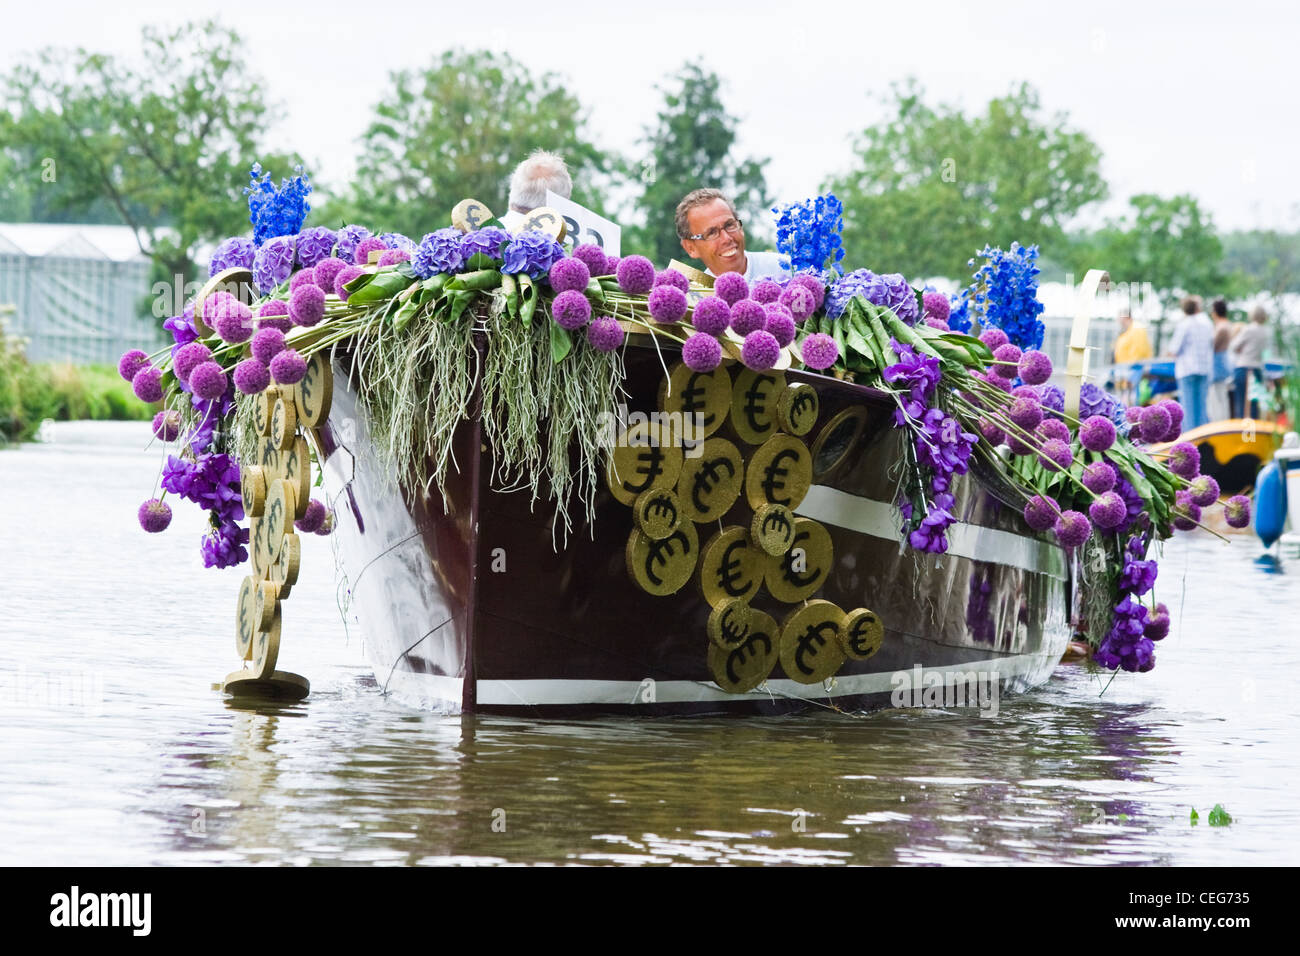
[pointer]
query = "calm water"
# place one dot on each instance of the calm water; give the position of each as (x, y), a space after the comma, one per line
(115, 750)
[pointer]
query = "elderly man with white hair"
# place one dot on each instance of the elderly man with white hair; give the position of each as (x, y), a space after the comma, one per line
(540, 172)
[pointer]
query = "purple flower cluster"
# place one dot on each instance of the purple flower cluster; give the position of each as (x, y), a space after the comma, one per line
(235, 252)
(489, 242)
(315, 244)
(532, 252)
(439, 252)
(1128, 644)
(212, 482)
(890, 291)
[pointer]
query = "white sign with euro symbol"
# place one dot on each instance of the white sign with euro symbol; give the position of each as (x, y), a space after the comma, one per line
(583, 226)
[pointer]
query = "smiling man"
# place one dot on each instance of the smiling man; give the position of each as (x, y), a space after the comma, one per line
(711, 232)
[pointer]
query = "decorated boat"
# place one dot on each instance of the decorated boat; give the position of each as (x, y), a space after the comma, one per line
(564, 483)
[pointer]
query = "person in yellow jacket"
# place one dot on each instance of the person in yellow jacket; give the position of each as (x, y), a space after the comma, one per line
(1131, 345)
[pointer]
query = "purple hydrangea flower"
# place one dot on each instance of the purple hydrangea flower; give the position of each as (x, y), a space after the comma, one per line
(349, 237)
(395, 240)
(236, 252)
(273, 263)
(441, 251)
(890, 291)
(314, 245)
(532, 253)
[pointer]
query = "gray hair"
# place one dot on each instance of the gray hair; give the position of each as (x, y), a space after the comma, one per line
(1258, 315)
(540, 172)
(697, 197)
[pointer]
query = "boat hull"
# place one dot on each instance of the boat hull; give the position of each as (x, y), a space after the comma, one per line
(467, 604)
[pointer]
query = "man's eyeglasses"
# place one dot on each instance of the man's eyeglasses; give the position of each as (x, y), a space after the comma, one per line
(731, 225)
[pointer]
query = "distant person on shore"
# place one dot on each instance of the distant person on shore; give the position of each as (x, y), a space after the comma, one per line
(1131, 345)
(1192, 349)
(1221, 376)
(711, 231)
(540, 172)
(1248, 356)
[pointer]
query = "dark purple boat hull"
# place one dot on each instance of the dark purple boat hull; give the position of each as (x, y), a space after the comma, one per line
(466, 605)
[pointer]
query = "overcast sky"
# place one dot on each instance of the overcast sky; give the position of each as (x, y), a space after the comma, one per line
(1195, 97)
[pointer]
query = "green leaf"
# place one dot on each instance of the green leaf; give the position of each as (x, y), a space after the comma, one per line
(481, 260)
(510, 286)
(384, 285)
(1219, 817)
(1196, 817)
(460, 301)
(405, 314)
(561, 344)
(480, 281)
(596, 291)
(435, 283)
(527, 299)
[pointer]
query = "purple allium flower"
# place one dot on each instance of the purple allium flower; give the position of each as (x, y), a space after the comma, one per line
(346, 275)
(1072, 529)
(819, 351)
(288, 367)
(813, 285)
(208, 381)
(1054, 428)
(592, 256)
(274, 315)
(765, 291)
(490, 242)
(1108, 511)
(1204, 490)
(215, 304)
(272, 265)
(392, 257)
(1184, 460)
(1026, 413)
(701, 352)
(267, 344)
(1041, 513)
(994, 338)
(1006, 358)
(667, 304)
(312, 518)
(315, 245)
(731, 287)
(1236, 511)
(1097, 433)
(349, 238)
(1018, 447)
(1155, 421)
(301, 276)
(992, 434)
(1035, 367)
(711, 315)
(1055, 455)
(611, 265)
(571, 310)
(167, 425)
(1099, 477)
(234, 322)
(154, 515)
(326, 271)
(675, 279)
(937, 324)
(604, 334)
(361, 255)
(1187, 514)
(233, 253)
(636, 275)
(936, 306)
(130, 363)
(1175, 420)
(760, 351)
(799, 301)
(1157, 626)
(188, 357)
(307, 306)
(997, 381)
(747, 315)
(1025, 391)
(781, 323)
(570, 275)
(251, 376)
(147, 385)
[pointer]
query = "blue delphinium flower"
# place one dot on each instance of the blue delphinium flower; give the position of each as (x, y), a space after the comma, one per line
(1004, 295)
(809, 233)
(276, 212)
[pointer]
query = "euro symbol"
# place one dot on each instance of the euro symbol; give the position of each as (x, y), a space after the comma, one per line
(662, 505)
(650, 464)
(729, 571)
(777, 519)
(857, 638)
(753, 396)
(660, 552)
(730, 634)
(787, 564)
(749, 647)
(803, 399)
(694, 397)
(472, 214)
(774, 474)
(811, 641)
(709, 473)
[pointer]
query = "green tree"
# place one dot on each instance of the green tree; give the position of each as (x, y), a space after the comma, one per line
(165, 146)
(931, 185)
(690, 147)
(458, 129)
